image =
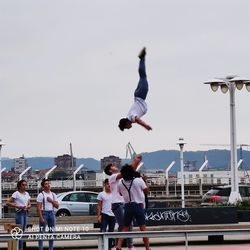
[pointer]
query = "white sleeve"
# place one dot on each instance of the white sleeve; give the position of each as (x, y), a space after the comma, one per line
(39, 198)
(99, 197)
(112, 178)
(28, 196)
(142, 183)
(14, 195)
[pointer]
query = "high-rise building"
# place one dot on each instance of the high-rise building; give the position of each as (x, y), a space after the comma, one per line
(20, 164)
(111, 159)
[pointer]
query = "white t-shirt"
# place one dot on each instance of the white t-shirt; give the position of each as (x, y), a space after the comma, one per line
(138, 109)
(136, 191)
(21, 199)
(116, 197)
(42, 198)
(106, 199)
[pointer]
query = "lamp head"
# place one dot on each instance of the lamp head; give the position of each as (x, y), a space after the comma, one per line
(181, 142)
(214, 83)
(239, 81)
(224, 88)
(247, 85)
(1, 143)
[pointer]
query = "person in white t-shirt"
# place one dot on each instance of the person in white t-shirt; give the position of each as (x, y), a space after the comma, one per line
(105, 215)
(46, 201)
(139, 108)
(20, 200)
(132, 189)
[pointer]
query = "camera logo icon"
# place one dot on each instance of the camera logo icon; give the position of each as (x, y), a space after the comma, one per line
(16, 233)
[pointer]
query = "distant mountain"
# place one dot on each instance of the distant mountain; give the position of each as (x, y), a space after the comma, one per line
(90, 163)
(34, 162)
(48, 162)
(217, 159)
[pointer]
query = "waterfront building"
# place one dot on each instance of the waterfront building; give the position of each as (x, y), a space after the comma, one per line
(66, 165)
(213, 177)
(9, 176)
(20, 164)
(155, 177)
(110, 159)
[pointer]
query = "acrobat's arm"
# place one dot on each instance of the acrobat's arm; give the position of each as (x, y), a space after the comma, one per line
(142, 123)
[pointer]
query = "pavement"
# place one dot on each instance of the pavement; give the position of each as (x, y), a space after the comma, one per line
(167, 243)
(231, 242)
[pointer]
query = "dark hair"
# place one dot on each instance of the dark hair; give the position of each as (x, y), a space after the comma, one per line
(106, 181)
(43, 181)
(123, 123)
(107, 169)
(19, 184)
(137, 174)
(127, 172)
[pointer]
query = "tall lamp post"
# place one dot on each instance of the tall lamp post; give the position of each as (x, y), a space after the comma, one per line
(166, 177)
(231, 83)
(1, 145)
(181, 143)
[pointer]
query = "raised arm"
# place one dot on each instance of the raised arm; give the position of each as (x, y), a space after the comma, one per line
(142, 123)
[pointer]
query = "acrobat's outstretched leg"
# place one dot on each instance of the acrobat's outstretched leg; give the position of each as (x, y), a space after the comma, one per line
(142, 87)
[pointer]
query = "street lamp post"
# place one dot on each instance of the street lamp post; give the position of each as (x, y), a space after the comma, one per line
(200, 177)
(1, 145)
(166, 176)
(231, 83)
(181, 143)
(74, 176)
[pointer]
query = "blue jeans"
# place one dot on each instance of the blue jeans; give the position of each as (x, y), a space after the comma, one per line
(118, 210)
(108, 221)
(142, 87)
(21, 218)
(50, 222)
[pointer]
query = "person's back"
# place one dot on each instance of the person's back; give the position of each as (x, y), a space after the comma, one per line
(132, 189)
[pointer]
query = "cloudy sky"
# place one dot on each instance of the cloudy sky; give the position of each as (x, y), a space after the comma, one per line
(68, 70)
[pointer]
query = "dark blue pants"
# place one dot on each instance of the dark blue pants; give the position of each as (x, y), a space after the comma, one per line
(108, 222)
(142, 87)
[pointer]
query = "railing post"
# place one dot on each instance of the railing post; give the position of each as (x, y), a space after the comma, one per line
(105, 242)
(186, 241)
(100, 242)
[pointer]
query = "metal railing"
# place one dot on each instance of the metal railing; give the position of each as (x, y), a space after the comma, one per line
(103, 238)
(56, 184)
